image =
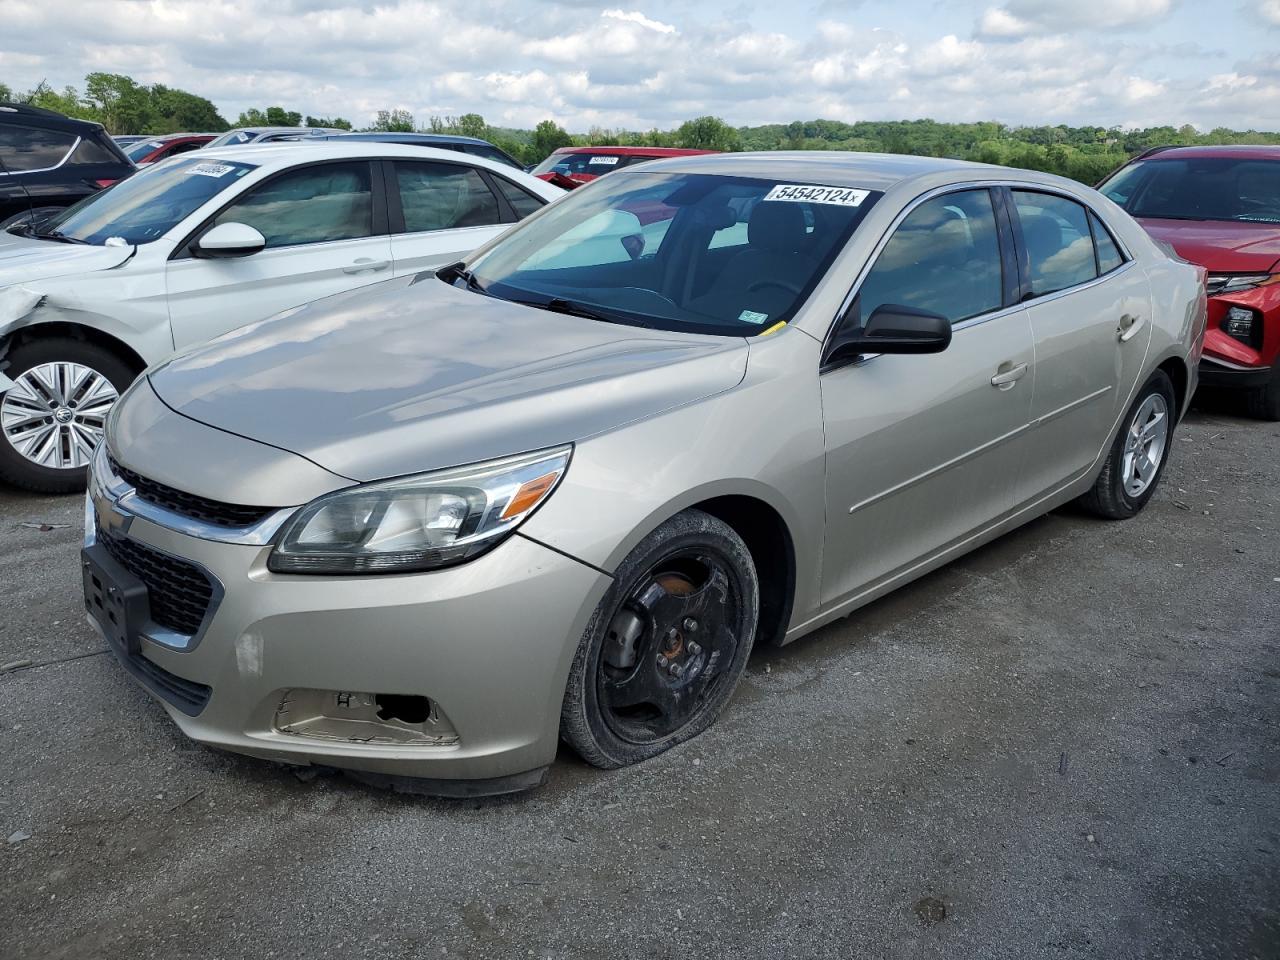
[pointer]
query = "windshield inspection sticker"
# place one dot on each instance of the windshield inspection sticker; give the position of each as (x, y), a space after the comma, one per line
(603, 161)
(750, 316)
(806, 193)
(210, 169)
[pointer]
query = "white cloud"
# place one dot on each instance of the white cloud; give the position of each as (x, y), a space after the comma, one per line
(1269, 11)
(598, 63)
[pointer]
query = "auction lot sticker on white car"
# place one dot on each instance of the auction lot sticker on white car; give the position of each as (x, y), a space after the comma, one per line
(808, 193)
(210, 169)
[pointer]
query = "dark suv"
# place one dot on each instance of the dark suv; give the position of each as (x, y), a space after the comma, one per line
(48, 161)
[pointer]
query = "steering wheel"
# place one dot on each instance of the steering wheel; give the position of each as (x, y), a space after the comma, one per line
(782, 284)
(651, 293)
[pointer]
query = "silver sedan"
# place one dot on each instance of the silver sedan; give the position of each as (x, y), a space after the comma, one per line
(429, 528)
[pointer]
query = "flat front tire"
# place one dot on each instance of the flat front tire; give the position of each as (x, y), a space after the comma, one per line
(1138, 454)
(666, 646)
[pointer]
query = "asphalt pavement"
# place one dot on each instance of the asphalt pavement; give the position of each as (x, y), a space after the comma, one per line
(1065, 745)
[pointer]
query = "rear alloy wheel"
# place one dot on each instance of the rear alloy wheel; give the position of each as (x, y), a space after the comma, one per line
(54, 414)
(1138, 454)
(667, 645)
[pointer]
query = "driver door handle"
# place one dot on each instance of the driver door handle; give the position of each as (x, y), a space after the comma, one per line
(366, 265)
(1005, 379)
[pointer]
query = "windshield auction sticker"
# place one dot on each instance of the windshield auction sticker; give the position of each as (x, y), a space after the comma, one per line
(210, 169)
(603, 162)
(807, 193)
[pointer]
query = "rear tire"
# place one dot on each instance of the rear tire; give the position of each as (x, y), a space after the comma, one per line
(1129, 478)
(32, 446)
(1263, 403)
(664, 651)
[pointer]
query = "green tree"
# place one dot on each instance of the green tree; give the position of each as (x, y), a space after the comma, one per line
(68, 102)
(471, 125)
(121, 104)
(6, 95)
(708, 133)
(336, 123)
(548, 136)
(394, 121)
(271, 117)
(177, 110)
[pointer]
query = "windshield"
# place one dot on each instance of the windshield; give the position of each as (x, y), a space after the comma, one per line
(233, 137)
(579, 163)
(700, 253)
(143, 148)
(146, 205)
(1199, 188)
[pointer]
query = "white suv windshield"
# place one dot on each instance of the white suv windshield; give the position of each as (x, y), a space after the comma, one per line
(701, 253)
(146, 205)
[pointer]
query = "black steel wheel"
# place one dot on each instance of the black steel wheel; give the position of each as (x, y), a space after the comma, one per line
(664, 651)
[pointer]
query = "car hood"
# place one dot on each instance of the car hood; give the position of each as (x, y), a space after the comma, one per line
(27, 261)
(422, 376)
(1221, 246)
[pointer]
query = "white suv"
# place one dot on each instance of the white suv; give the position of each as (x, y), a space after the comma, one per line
(203, 243)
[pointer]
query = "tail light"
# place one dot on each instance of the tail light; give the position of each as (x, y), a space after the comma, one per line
(103, 184)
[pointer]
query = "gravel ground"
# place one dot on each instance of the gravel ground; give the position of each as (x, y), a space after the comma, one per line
(1064, 745)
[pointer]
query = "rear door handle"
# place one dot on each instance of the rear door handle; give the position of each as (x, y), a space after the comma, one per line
(1007, 378)
(1129, 325)
(366, 265)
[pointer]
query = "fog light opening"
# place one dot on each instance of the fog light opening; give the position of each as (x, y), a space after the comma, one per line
(406, 709)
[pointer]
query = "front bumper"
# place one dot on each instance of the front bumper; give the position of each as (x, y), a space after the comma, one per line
(1223, 374)
(489, 642)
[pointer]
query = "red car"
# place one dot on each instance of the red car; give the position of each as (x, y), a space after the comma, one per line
(1220, 207)
(571, 167)
(151, 149)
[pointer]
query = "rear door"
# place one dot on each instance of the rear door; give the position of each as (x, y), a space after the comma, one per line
(440, 211)
(325, 226)
(1090, 311)
(924, 451)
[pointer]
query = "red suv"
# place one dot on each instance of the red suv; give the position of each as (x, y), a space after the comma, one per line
(571, 167)
(1220, 207)
(153, 149)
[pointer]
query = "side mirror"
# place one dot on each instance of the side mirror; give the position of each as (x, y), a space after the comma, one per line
(893, 328)
(228, 240)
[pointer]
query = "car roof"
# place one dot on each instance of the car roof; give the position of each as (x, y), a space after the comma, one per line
(872, 171)
(293, 152)
(1240, 151)
(635, 151)
(408, 138)
(25, 114)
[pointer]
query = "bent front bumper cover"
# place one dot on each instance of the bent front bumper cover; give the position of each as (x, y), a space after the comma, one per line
(490, 642)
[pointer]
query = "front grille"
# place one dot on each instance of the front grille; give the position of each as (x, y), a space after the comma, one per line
(189, 504)
(178, 592)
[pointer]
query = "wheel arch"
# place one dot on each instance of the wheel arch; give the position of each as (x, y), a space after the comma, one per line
(79, 331)
(1176, 370)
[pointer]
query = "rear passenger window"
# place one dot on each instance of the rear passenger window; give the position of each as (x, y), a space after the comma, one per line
(24, 149)
(1059, 244)
(91, 152)
(333, 201)
(524, 202)
(944, 258)
(1109, 256)
(443, 196)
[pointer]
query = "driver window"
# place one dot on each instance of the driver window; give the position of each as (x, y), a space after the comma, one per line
(312, 205)
(944, 258)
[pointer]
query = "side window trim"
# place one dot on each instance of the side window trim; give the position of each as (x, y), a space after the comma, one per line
(493, 176)
(395, 202)
(1091, 214)
(65, 157)
(183, 250)
(851, 297)
(1011, 251)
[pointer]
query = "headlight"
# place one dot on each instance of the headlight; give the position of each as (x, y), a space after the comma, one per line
(418, 523)
(1234, 283)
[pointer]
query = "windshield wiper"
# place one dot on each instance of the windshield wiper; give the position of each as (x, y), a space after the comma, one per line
(59, 236)
(574, 309)
(458, 271)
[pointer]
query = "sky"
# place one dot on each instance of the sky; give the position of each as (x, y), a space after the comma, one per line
(638, 64)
